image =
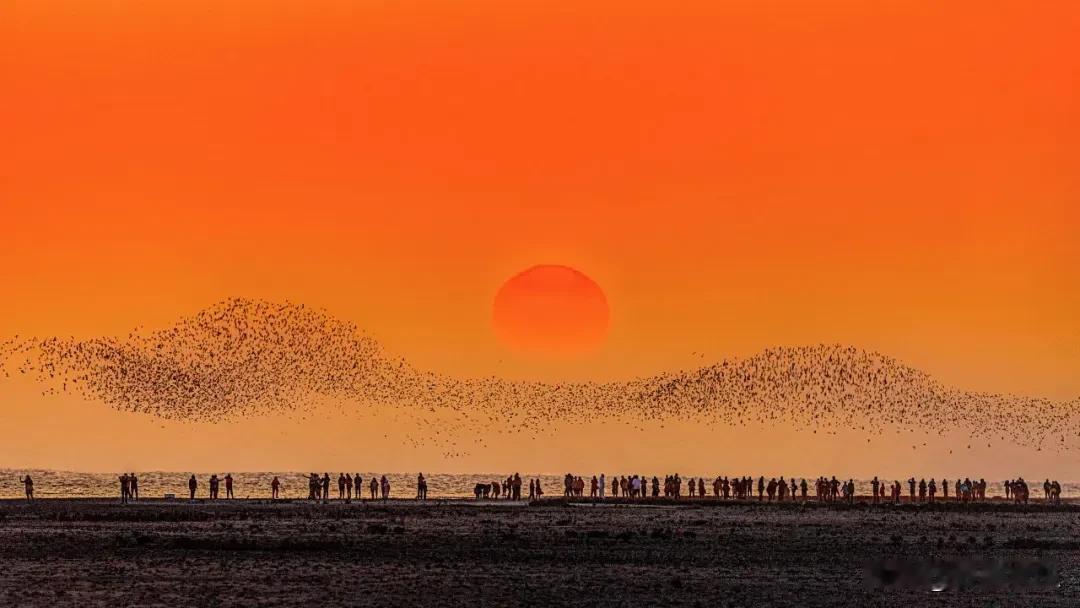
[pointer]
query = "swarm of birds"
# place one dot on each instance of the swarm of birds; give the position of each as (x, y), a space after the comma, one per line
(245, 357)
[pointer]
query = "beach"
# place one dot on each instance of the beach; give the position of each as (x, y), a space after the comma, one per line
(92, 552)
(255, 484)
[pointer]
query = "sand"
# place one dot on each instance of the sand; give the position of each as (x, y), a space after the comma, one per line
(458, 553)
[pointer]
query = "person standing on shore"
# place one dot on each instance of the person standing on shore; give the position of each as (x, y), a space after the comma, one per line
(326, 487)
(384, 483)
(374, 487)
(125, 488)
(133, 484)
(421, 487)
(274, 486)
(28, 485)
(192, 485)
(228, 486)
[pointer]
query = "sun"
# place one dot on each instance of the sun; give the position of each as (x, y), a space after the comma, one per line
(551, 310)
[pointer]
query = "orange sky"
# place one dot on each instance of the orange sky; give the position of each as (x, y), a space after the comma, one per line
(903, 177)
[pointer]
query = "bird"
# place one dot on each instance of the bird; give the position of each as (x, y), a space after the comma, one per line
(241, 357)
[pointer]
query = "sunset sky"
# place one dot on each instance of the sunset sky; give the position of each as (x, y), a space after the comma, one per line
(899, 176)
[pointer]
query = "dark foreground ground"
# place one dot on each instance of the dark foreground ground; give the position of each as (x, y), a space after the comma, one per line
(252, 553)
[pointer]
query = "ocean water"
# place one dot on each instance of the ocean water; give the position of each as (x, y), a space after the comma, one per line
(156, 484)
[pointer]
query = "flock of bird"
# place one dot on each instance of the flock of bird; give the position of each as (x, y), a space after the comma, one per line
(245, 357)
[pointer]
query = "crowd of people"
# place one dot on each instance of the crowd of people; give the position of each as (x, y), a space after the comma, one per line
(781, 489)
(214, 485)
(825, 489)
(349, 487)
(509, 488)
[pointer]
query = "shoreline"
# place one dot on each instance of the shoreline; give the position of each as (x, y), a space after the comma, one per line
(995, 504)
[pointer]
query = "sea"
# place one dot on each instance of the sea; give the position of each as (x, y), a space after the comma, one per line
(161, 484)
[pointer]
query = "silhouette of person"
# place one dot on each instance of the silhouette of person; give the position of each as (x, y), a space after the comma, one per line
(274, 485)
(125, 488)
(228, 486)
(133, 486)
(192, 484)
(28, 485)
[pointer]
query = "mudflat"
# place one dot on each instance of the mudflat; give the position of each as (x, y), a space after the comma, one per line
(462, 553)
